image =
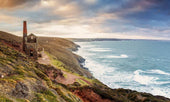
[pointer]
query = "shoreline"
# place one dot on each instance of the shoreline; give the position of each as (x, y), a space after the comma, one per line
(106, 84)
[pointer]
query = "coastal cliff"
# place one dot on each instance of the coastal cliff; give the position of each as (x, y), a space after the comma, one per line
(62, 79)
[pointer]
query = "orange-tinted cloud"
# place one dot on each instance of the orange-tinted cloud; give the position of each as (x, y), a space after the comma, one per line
(14, 3)
(86, 17)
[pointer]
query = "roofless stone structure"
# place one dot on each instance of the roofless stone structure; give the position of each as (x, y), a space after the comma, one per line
(30, 43)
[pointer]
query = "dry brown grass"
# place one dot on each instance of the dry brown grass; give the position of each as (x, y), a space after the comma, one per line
(9, 37)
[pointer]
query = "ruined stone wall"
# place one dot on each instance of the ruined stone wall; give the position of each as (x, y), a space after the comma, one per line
(31, 50)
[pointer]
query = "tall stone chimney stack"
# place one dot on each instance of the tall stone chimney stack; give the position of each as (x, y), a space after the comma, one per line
(24, 34)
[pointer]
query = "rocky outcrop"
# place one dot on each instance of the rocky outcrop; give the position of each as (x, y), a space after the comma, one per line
(80, 59)
(88, 95)
(21, 90)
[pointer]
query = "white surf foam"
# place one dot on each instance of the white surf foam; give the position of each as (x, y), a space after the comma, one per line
(86, 45)
(121, 56)
(143, 79)
(100, 49)
(98, 69)
(157, 71)
(138, 80)
(126, 80)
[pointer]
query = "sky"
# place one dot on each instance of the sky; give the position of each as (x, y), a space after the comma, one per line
(132, 19)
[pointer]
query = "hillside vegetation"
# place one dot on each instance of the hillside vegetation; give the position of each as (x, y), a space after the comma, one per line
(58, 47)
(25, 80)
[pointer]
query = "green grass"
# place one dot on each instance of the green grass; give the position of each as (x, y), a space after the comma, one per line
(4, 99)
(39, 98)
(62, 93)
(44, 77)
(15, 77)
(60, 65)
(82, 82)
(49, 96)
(22, 100)
(56, 62)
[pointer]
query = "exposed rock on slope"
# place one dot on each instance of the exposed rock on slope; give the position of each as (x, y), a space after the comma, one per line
(21, 90)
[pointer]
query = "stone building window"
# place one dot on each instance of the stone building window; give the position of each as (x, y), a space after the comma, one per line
(32, 37)
(31, 53)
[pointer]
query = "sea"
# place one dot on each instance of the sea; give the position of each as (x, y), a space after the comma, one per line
(141, 65)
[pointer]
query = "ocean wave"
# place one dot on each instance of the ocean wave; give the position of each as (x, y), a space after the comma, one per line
(98, 69)
(100, 49)
(157, 71)
(86, 45)
(121, 56)
(84, 53)
(143, 79)
(137, 81)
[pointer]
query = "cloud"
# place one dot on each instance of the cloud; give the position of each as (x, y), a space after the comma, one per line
(68, 10)
(88, 18)
(131, 6)
(14, 3)
(91, 1)
(7, 18)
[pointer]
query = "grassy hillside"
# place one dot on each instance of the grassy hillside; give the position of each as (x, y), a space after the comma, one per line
(25, 80)
(9, 37)
(60, 48)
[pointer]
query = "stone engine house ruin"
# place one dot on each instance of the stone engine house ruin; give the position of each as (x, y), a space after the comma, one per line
(30, 43)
